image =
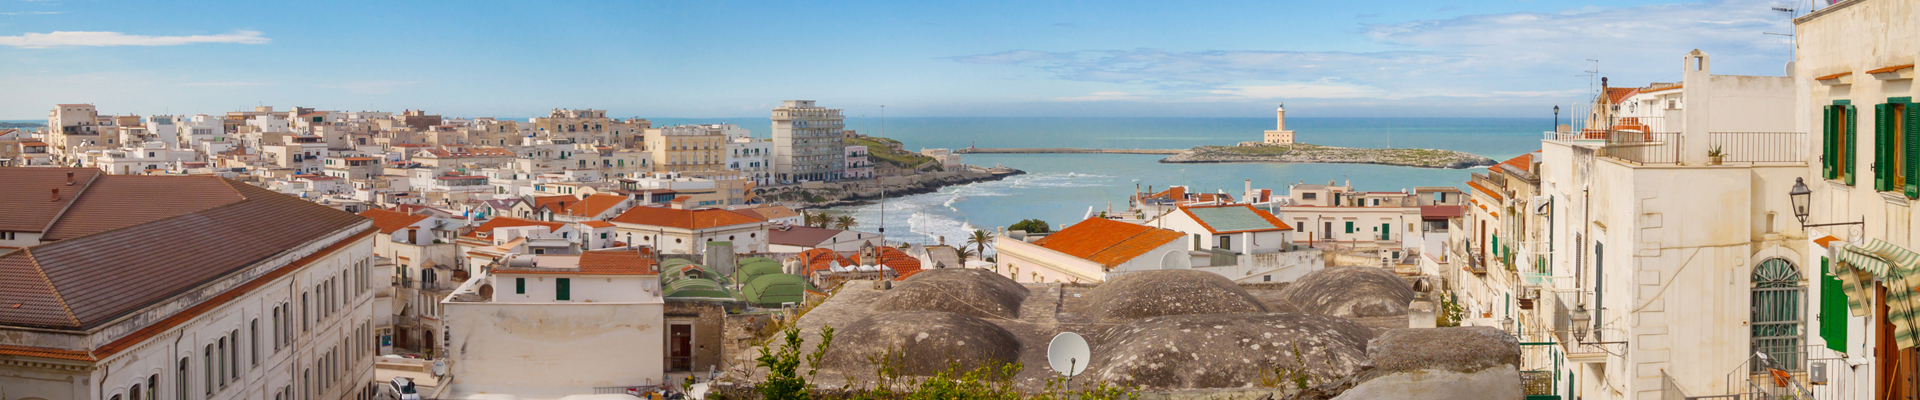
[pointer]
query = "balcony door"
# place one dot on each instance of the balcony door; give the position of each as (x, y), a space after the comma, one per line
(1777, 315)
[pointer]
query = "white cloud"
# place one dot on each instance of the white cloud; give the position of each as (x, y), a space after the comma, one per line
(67, 38)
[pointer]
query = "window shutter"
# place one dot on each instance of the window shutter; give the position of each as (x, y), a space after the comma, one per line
(1833, 309)
(1912, 139)
(1883, 147)
(1852, 131)
(1828, 158)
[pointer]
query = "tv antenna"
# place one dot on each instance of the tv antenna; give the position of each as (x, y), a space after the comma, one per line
(1068, 354)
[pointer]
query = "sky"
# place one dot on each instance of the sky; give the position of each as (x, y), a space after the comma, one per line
(1496, 58)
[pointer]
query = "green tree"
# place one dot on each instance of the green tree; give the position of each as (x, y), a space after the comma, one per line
(784, 380)
(980, 239)
(1031, 226)
(845, 222)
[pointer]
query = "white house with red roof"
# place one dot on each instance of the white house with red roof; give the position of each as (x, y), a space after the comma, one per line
(681, 231)
(506, 327)
(1091, 251)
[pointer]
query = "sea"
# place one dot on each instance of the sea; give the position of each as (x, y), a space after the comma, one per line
(1065, 188)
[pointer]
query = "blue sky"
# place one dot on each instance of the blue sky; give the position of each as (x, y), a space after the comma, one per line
(990, 58)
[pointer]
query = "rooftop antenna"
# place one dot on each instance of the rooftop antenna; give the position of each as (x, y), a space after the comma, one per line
(1792, 13)
(1068, 354)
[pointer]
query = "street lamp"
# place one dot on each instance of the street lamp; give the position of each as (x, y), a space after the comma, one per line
(1506, 324)
(1801, 196)
(1580, 319)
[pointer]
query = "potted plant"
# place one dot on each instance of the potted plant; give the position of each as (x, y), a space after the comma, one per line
(1715, 156)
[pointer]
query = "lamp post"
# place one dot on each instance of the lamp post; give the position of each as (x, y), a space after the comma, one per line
(1506, 324)
(1580, 318)
(1556, 119)
(1801, 196)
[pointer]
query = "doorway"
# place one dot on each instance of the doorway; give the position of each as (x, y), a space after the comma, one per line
(680, 345)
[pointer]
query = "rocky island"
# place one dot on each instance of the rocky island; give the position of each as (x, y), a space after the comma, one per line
(1309, 153)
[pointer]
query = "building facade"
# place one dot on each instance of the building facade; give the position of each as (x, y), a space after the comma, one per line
(807, 142)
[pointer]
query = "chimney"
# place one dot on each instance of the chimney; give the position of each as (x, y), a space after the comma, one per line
(943, 240)
(69, 178)
(56, 194)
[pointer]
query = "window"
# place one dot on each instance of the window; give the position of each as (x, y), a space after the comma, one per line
(1226, 243)
(180, 381)
(208, 360)
(1896, 147)
(1349, 226)
(222, 372)
(1307, 196)
(305, 310)
(1836, 160)
(561, 291)
(253, 339)
(519, 285)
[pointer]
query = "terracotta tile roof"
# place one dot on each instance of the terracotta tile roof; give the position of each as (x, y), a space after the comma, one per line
(1834, 76)
(893, 258)
(1107, 242)
(43, 352)
(1523, 163)
(684, 219)
(593, 205)
(557, 203)
(1889, 69)
(1484, 190)
(1615, 95)
(820, 259)
(29, 200)
(1173, 193)
(391, 221)
(117, 201)
(1661, 88)
(1235, 218)
(774, 212)
(153, 249)
(509, 222)
(1442, 212)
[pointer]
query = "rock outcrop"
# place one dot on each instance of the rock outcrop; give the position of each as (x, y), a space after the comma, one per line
(1155, 293)
(974, 292)
(1278, 350)
(1351, 292)
(920, 343)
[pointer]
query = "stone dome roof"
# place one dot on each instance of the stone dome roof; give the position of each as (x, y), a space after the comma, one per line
(920, 343)
(1352, 292)
(1228, 350)
(1154, 293)
(975, 292)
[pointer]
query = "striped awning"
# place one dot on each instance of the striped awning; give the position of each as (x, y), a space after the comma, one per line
(1897, 267)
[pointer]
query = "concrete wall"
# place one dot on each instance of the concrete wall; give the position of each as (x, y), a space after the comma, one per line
(542, 288)
(560, 347)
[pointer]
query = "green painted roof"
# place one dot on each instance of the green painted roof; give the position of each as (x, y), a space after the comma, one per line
(1231, 219)
(771, 290)
(748, 272)
(750, 260)
(698, 289)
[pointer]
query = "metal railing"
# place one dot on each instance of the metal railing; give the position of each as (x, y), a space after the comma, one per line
(1644, 148)
(1759, 147)
(1816, 374)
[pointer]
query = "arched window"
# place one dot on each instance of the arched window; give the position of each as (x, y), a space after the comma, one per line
(1777, 318)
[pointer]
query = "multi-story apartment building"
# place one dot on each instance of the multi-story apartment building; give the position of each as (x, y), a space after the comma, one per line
(1671, 258)
(686, 148)
(1854, 88)
(235, 292)
(753, 158)
(76, 128)
(857, 165)
(582, 126)
(807, 142)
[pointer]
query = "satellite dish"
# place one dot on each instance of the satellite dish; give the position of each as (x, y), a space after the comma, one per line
(440, 367)
(1068, 354)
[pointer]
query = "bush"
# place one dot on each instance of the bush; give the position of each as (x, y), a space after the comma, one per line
(1031, 226)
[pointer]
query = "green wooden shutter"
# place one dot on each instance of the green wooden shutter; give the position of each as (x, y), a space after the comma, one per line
(1853, 131)
(1883, 146)
(1829, 157)
(1349, 226)
(519, 285)
(562, 290)
(1386, 231)
(1833, 309)
(1912, 139)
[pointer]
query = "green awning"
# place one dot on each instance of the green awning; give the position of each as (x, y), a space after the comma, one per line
(1897, 268)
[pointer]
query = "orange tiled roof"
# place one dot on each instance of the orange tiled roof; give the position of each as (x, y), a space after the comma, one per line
(1489, 192)
(1107, 242)
(391, 221)
(509, 222)
(819, 259)
(43, 352)
(684, 219)
(1834, 76)
(891, 257)
(1615, 95)
(593, 205)
(605, 262)
(1890, 69)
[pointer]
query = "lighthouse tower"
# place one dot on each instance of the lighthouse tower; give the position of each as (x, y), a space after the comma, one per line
(1280, 134)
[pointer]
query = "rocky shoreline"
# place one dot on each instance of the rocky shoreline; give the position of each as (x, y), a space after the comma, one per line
(822, 195)
(1309, 153)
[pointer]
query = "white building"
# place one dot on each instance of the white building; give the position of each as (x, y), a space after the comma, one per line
(807, 144)
(1091, 251)
(235, 293)
(609, 301)
(677, 231)
(753, 158)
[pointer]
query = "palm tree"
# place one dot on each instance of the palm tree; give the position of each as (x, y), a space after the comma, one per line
(980, 239)
(814, 219)
(845, 222)
(965, 253)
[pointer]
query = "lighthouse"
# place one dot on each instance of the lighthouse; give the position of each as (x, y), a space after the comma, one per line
(1279, 134)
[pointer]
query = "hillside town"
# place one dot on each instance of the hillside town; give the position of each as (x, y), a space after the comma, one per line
(1710, 237)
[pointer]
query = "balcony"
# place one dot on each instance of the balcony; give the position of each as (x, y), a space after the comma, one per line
(1644, 148)
(1759, 147)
